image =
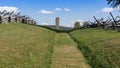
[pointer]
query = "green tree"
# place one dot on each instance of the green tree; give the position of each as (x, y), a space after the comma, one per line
(114, 3)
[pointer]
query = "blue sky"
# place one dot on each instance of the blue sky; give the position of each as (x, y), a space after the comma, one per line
(69, 11)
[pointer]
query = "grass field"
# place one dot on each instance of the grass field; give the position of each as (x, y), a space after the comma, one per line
(101, 48)
(27, 46)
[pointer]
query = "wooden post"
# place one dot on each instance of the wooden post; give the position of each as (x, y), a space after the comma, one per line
(9, 19)
(115, 23)
(16, 19)
(98, 23)
(0, 19)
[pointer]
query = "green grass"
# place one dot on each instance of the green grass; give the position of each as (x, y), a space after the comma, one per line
(66, 54)
(28, 46)
(63, 39)
(101, 48)
(25, 46)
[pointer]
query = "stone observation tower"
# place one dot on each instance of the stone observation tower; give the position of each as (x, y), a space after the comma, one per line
(77, 25)
(57, 23)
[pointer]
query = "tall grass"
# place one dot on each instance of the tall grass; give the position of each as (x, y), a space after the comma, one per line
(25, 46)
(101, 48)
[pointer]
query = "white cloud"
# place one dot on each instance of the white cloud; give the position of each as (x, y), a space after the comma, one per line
(53, 11)
(106, 9)
(66, 9)
(9, 9)
(46, 12)
(58, 9)
(45, 24)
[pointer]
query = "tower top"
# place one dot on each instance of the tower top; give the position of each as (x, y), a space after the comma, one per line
(57, 18)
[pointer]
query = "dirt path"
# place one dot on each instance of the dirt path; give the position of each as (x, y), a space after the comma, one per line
(68, 57)
(66, 54)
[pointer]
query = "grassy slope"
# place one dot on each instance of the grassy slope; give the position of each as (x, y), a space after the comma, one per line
(25, 46)
(101, 48)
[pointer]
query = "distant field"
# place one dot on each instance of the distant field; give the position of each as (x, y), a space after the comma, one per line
(101, 48)
(27, 46)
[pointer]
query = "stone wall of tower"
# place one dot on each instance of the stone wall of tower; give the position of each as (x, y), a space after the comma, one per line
(57, 23)
(77, 25)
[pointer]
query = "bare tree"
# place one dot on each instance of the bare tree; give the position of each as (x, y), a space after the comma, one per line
(114, 3)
